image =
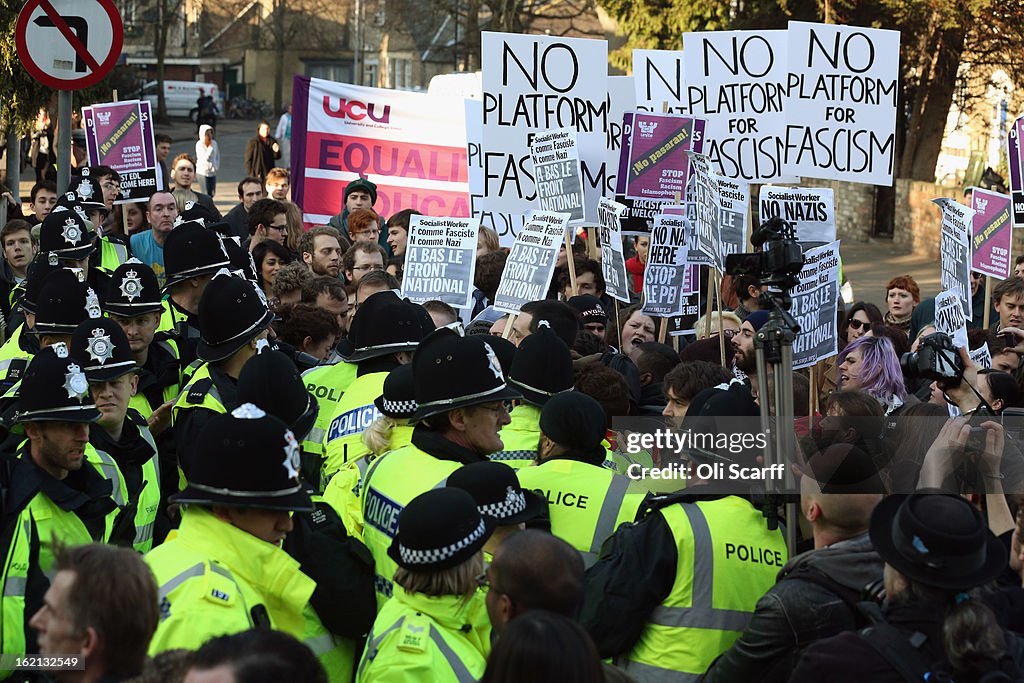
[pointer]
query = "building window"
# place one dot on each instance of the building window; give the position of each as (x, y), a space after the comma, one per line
(330, 71)
(371, 73)
(400, 73)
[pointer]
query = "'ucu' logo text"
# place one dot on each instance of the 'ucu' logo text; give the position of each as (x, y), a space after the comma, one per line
(356, 110)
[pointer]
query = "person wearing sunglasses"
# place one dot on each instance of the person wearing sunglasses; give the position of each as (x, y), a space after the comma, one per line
(859, 320)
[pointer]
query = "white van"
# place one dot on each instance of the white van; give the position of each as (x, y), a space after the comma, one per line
(181, 96)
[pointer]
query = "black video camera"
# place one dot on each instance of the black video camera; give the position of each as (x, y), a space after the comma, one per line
(936, 359)
(779, 258)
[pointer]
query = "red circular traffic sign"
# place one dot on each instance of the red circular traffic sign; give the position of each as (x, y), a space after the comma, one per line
(69, 44)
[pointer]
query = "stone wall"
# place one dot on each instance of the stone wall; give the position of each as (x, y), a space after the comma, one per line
(919, 221)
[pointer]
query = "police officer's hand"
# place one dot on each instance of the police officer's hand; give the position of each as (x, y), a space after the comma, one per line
(160, 420)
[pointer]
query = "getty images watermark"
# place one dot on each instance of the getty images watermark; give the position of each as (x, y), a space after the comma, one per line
(688, 455)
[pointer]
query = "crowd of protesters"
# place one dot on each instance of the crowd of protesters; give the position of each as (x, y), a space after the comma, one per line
(232, 451)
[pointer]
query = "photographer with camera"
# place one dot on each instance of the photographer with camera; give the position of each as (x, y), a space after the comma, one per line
(972, 451)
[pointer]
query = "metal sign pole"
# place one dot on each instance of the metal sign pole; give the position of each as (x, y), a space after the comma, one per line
(63, 140)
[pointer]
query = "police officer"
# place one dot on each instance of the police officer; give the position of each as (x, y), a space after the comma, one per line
(64, 301)
(386, 330)
(498, 494)
(587, 502)
(673, 591)
(23, 342)
(58, 488)
(270, 381)
(192, 254)
(389, 431)
(67, 234)
(421, 635)
(233, 318)
(112, 250)
(541, 368)
(101, 348)
(225, 571)
(135, 304)
(460, 397)
(341, 566)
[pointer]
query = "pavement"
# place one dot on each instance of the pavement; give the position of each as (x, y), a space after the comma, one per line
(867, 265)
(870, 265)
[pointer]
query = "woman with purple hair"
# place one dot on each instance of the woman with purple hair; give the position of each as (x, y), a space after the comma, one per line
(870, 364)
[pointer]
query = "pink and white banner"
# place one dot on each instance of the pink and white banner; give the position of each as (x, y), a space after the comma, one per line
(411, 145)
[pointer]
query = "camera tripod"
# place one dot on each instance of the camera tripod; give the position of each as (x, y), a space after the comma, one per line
(773, 345)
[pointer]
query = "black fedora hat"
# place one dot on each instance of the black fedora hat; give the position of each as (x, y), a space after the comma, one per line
(454, 372)
(87, 191)
(542, 366)
(232, 312)
(67, 235)
(398, 399)
(64, 302)
(271, 381)
(134, 290)
(54, 389)
(246, 458)
(937, 539)
(498, 493)
(101, 348)
(439, 529)
(385, 324)
(190, 251)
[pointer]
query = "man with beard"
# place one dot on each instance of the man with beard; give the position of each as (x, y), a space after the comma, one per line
(321, 250)
(745, 359)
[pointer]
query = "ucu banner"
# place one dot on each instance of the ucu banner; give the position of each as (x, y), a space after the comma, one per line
(411, 145)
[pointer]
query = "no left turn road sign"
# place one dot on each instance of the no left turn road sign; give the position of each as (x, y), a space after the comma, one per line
(69, 44)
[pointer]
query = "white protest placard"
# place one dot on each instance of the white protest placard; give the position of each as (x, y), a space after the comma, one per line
(815, 300)
(704, 197)
(531, 261)
(950, 318)
(811, 211)
(732, 218)
(841, 102)
(658, 79)
(981, 356)
(665, 275)
(613, 262)
(621, 99)
(535, 83)
(440, 260)
(737, 81)
(507, 225)
(955, 251)
(556, 169)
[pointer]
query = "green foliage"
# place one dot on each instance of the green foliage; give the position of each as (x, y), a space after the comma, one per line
(21, 95)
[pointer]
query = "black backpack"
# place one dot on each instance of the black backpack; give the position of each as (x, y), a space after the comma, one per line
(906, 653)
